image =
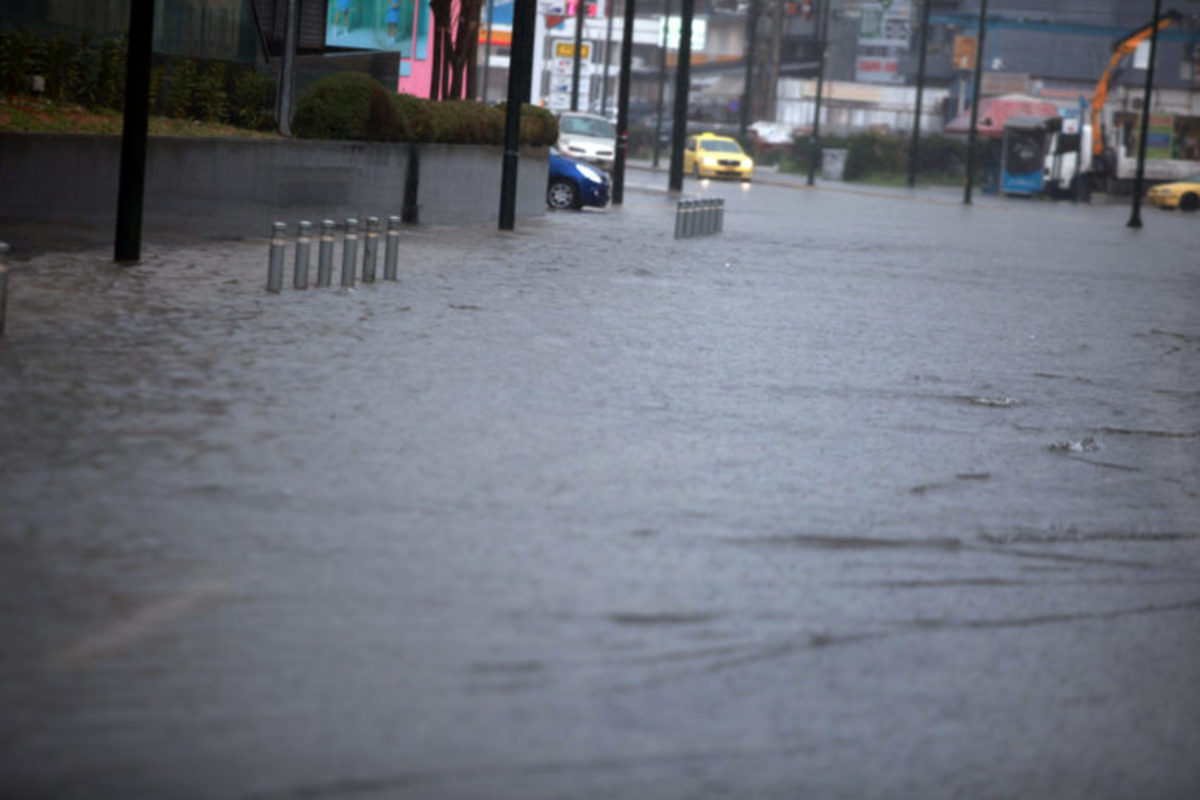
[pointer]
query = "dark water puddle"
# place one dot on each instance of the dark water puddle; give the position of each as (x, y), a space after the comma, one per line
(1077, 537)
(666, 618)
(821, 542)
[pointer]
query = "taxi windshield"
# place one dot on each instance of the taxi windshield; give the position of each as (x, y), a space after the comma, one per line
(720, 146)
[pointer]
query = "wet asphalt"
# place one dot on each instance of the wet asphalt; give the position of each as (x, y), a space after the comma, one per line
(873, 495)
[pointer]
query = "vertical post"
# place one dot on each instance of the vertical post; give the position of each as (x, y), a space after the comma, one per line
(391, 248)
(520, 70)
(325, 254)
(814, 154)
(914, 144)
(370, 250)
(303, 246)
(982, 30)
(1135, 217)
(131, 190)
(662, 80)
(579, 11)
(683, 79)
(748, 87)
(275, 260)
(618, 177)
(287, 68)
(608, 7)
(349, 252)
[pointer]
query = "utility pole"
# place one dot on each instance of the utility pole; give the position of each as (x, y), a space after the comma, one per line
(916, 131)
(487, 49)
(662, 80)
(772, 88)
(132, 186)
(1135, 218)
(747, 89)
(286, 69)
(579, 8)
(982, 30)
(814, 154)
(608, 7)
(519, 71)
(618, 177)
(683, 78)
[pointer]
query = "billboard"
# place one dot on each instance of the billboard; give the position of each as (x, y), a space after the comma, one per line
(393, 25)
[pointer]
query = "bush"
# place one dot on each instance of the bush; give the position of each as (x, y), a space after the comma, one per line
(353, 105)
(345, 105)
(871, 153)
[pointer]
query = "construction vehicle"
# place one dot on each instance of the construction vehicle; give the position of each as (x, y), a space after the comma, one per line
(1098, 149)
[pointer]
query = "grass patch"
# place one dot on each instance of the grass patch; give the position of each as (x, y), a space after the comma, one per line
(25, 114)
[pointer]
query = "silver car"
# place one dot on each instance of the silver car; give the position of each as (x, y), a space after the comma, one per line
(587, 137)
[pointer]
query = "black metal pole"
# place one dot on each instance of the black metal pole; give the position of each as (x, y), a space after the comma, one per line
(982, 30)
(131, 189)
(287, 68)
(579, 6)
(519, 66)
(914, 144)
(662, 80)
(1135, 218)
(487, 49)
(683, 78)
(814, 154)
(748, 87)
(607, 60)
(618, 176)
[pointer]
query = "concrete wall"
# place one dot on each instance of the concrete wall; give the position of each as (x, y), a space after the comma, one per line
(237, 187)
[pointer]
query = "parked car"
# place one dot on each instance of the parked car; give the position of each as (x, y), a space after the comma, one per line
(710, 155)
(574, 184)
(1184, 194)
(587, 137)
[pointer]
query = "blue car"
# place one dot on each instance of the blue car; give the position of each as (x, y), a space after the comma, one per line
(574, 184)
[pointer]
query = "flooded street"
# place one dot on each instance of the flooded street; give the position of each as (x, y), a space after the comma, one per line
(872, 495)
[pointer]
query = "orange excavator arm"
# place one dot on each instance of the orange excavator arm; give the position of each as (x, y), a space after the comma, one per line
(1121, 49)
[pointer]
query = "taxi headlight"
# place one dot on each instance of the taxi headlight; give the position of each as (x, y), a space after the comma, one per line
(709, 161)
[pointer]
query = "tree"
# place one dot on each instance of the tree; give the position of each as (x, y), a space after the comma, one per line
(455, 45)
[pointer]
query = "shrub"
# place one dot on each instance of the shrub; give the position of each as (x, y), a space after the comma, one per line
(413, 121)
(345, 105)
(870, 153)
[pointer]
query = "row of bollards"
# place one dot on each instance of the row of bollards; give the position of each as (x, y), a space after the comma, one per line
(350, 260)
(699, 217)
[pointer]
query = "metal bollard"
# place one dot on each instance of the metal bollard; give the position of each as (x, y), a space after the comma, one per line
(275, 264)
(303, 246)
(349, 251)
(720, 214)
(325, 253)
(706, 220)
(391, 248)
(370, 249)
(679, 220)
(690, 219)
(3, 284)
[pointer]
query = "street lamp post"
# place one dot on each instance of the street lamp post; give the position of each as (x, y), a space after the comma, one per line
(982, 30)
(916, 131)
(1135, 218)
(618, 186)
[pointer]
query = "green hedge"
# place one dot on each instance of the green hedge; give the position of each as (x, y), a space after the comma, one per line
(881, 156)
(353, 105)
(92, 74)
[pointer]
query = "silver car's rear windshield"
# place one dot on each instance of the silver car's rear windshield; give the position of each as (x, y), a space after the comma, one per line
(586, 126)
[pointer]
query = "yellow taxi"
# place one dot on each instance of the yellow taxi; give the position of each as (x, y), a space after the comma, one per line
(1184, 194)
(709, 155)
